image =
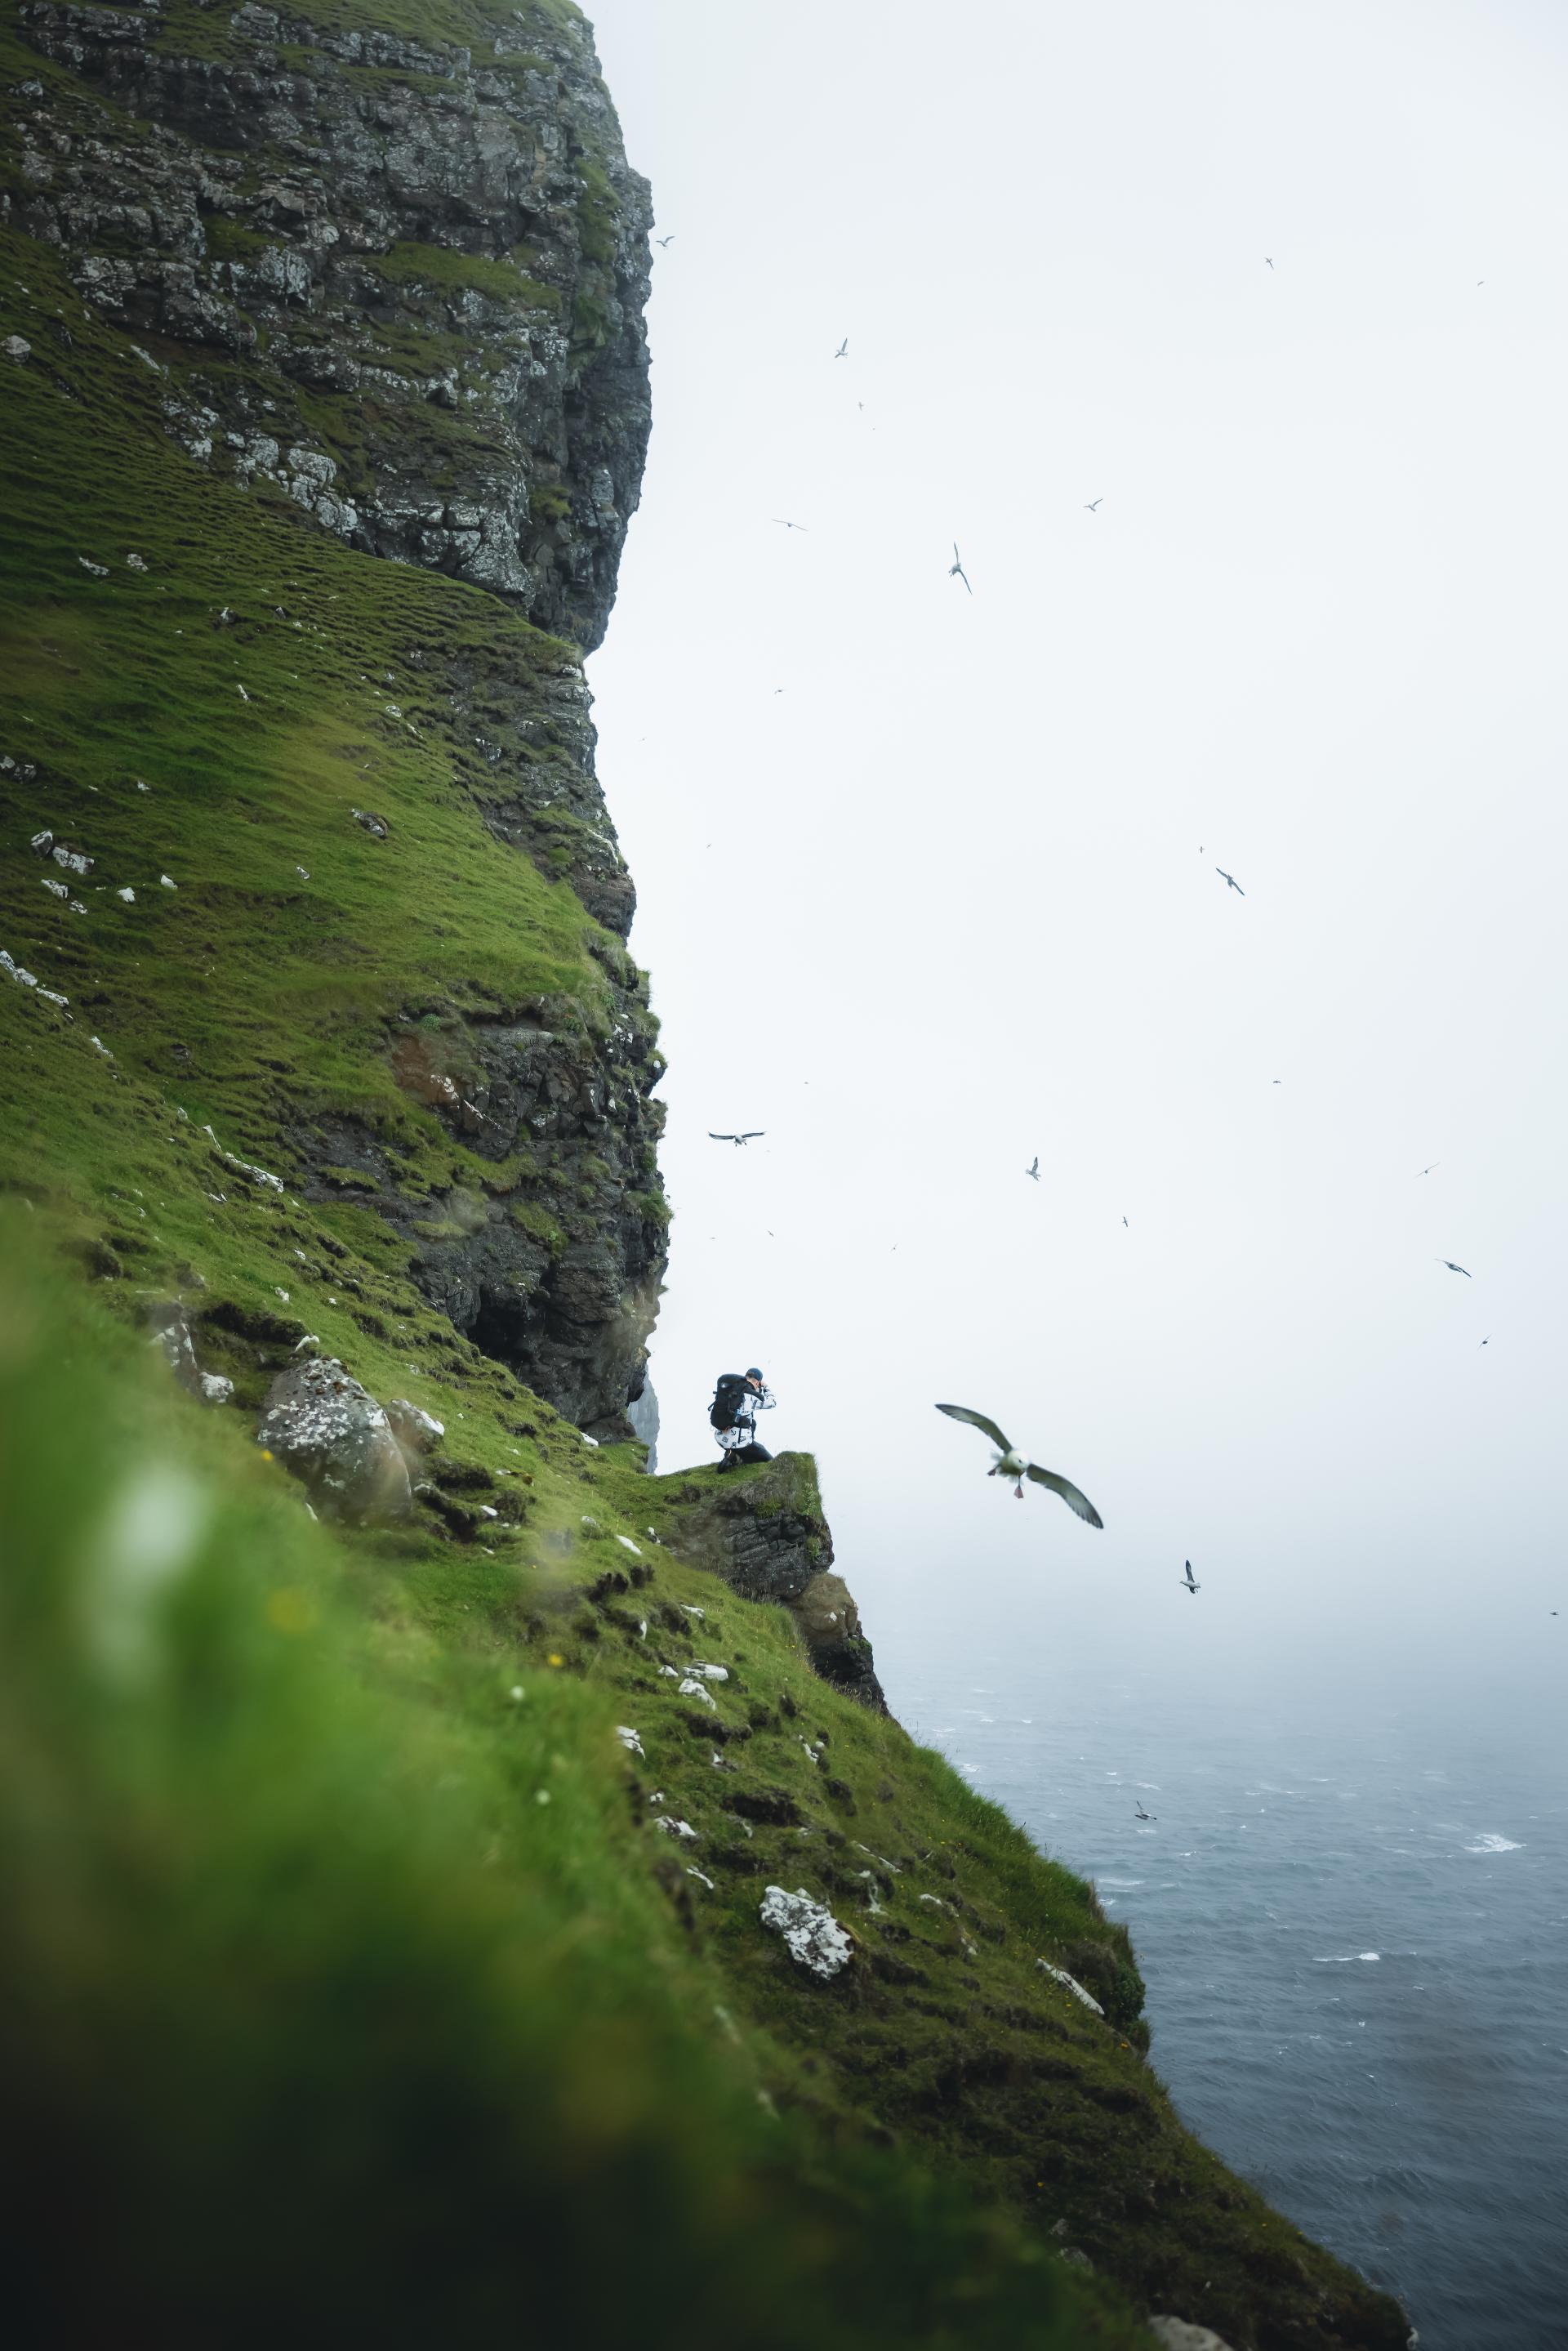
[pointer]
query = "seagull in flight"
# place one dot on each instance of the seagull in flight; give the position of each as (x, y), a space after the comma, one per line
(750, 1136)
(1093, 505)
(1230, 878)
(957, 566)
(843, 351)
(1010, 1463)
(1139, 1814)
(1188, 1585)
(1455, 1268)
(665, 240)
(1427, 1171)
(789, 526)
(1034, 1167)
(1266, 259)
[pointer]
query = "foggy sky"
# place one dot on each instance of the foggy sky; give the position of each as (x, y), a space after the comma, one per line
(949, 899)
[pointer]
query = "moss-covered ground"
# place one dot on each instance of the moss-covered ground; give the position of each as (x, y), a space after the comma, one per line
(349, 1976)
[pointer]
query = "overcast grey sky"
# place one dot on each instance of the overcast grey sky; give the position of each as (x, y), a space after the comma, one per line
(949, 899)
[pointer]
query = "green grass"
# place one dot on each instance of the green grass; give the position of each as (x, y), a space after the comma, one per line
(328, 689)
(341, 1978)
(443, 270)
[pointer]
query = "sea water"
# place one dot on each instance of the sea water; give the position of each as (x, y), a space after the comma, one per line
(1351, 1911)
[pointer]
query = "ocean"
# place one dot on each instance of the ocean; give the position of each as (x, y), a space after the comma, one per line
(1350, 1910)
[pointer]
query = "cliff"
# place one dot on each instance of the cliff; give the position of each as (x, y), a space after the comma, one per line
(495, 1896)
(278, 293)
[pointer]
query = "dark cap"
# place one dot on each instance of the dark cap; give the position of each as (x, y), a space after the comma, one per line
(753, 1372)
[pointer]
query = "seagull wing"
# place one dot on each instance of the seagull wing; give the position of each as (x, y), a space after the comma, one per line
(976, 1420)
(751, 1134)
(719, 1138)
(1068, 1491)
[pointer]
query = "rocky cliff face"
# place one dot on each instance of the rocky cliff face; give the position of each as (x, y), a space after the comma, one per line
(384, 288)
(763, 1530)
(405, 277)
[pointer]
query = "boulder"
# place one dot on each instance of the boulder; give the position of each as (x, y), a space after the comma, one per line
(332, 1435)
(1177, 2334)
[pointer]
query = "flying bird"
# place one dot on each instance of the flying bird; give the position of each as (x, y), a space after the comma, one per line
(1230, 878)
(957, 566)
(1011, 1463)
(1093, 505)
(1427, 1171)
(750, 1136)
(789, 526)
(1455, 1268)
(1034, 1167)
(843, 351)
(1138, 1812)
(1188, 1585)
(665, 240)
(1266, 259)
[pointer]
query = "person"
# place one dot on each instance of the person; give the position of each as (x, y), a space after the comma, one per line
(737, 1400)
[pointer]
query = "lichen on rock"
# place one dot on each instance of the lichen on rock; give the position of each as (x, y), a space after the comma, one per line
(812, 1935)
(332, 1435)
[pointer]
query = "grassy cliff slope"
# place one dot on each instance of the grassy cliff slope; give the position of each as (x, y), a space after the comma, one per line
(350, 1973)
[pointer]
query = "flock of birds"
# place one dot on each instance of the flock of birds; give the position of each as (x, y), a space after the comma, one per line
(1010, 1463)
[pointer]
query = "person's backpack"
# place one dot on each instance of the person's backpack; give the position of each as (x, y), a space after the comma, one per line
(728, 1398)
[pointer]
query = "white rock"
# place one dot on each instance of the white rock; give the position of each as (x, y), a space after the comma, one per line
(629, 1739)
(71, 860)
(165, 883)
(1177, 2334)
(712, 1673)
(99, 571)
(134, 563)
(127, 896)
(812, 1936)
(416, 1431)
(486, 1511)
(55, 889)
(587, 1439)
(243, 695)
(697, 1873)
(1059, 1975)
(52, 996)
(19, 972)
(99, 1047)
(672, 1827)
(690, 1689)
(280, 1293)
(216, 1389)
(17, 347)
(626, 1543)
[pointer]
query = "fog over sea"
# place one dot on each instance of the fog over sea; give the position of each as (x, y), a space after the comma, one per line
(1230, 343)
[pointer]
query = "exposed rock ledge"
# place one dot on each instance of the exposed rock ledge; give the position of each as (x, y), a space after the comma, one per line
(762, 1530)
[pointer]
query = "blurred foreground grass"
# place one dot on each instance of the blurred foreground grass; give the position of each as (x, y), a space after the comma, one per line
(315, 2011)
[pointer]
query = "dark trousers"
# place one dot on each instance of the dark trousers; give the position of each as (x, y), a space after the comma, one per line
(743, 1453)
